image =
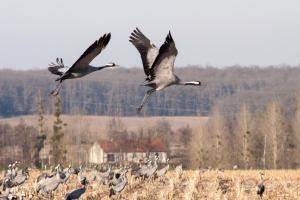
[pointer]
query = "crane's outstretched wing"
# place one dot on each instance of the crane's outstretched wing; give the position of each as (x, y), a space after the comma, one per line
(163, 65)
(91, 52)
(57, 68)
(147, 50)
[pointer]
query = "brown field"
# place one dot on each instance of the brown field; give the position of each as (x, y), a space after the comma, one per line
(214, 185)
(98, 123)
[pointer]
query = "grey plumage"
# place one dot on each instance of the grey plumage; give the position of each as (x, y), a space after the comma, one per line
(149, 173)
(141, 169)
(18, 179)
(7, 184)
(118, 185)
(8, 173)
(44, 175)
(260, 188)
(82, 66)
(158, 65)
(147, 50)
(48, 185)
(104, 176)
(65, 174)
(161, 172)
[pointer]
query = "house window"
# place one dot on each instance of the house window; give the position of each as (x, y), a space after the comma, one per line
(110, 157)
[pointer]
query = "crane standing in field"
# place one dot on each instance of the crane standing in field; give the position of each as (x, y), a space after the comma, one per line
(260, 188)
(82, 66)
(119, 184)
(48, 185)
(158, 64)
(161, 172)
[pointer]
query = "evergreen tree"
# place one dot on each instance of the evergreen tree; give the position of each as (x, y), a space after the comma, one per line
(56, 141)
(41, 137)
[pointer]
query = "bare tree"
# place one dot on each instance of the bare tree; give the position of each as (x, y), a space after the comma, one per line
(243, 131)
(196, 150)
(217, 130)
(293, 140)
(274, 135)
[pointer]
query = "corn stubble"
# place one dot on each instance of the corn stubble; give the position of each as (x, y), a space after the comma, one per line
(192, 184)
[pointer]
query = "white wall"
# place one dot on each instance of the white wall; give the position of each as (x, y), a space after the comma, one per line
(96, 154)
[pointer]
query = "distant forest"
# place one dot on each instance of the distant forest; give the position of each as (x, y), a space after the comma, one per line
(118, 92)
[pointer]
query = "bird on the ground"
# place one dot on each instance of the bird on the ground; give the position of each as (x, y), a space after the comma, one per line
(118, 185)
(44, 175)
(75, 194)
(260, 188)
(82, 66)
(149, 173)
(158, 64)
(20, 178)
(48, 185)
(65, 176)
(161, 172)
(139, 170)
(9, 172)
(104, 176)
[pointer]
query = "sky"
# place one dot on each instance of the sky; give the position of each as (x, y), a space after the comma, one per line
(206, 32)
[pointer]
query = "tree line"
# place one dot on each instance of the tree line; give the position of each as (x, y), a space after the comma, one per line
(267, 138)
(118, 92)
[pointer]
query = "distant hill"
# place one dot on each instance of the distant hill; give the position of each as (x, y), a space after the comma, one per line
(118, 92)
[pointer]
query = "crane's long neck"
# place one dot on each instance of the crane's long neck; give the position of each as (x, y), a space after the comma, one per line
(197, 83)
(261, 178)
(104, 66)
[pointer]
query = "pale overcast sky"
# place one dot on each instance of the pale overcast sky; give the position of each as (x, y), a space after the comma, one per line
(206, 32)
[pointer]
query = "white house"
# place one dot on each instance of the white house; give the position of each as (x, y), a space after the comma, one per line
(105, 151)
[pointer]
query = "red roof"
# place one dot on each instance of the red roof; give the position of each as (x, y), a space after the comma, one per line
(154, 145)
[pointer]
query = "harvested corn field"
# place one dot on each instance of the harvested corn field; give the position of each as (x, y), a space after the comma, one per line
(196, 184)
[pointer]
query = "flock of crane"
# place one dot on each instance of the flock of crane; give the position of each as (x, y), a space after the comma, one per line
(114, 179)
(46, 183)
(158, 64)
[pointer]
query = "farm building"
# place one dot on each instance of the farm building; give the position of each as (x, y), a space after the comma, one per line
(106, 151)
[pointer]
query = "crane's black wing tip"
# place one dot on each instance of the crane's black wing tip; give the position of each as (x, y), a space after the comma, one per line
(138, 34)
(108, 36)
(104, 40)
(169, 37)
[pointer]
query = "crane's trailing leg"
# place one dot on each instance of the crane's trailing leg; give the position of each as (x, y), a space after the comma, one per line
(145, 99)
(56, 90)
